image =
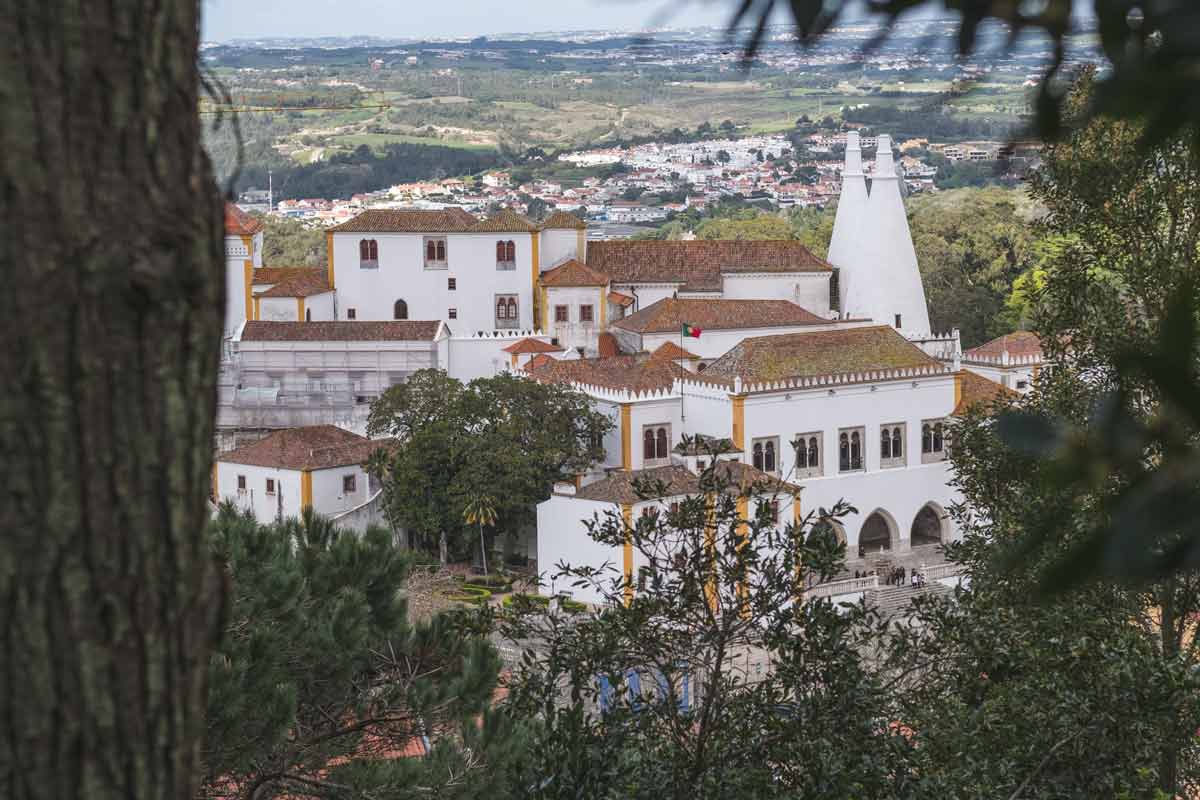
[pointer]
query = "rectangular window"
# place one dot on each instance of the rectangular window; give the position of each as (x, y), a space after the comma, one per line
(1022, 385)
(892, 445)
(270, 486)
(452, 284)
(933, 441)
(656, 445)
(585, 314)
(241, 483)
(351, 313)
(562, 314)
(808, 448)
(348, 484)
(850, 450)
(772, 510)
(835, 302)
(507, 312)
(765, 454)
(898, 326)
(435, 252)
(452, 313)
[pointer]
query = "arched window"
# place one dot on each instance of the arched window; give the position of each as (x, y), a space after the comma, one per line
(661, 441)
(308, 315)
(512, 308)
(855, 451)
(400, 310)
(501, 308)
(758, 455)
(801, 453)
(885, 443)
(844, 452)
(937, 438)
(510, 251)
(431, 250)
(500, 251)
(769, 464)
(814, 453)
(897, 443)
(368, 253)
(648, 444)
(926, 438)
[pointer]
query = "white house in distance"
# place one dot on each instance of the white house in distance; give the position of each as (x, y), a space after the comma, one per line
(1012, 360)
(320, 467)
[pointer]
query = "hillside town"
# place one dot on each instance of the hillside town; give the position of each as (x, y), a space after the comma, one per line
(649, 183)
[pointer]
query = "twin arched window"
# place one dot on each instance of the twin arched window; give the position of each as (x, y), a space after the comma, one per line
(849, 451)
(368, 253)
(932, 438)
(400, 310)
(764, 455)
(891, 442)
(506, 253)
(656, 443)
(435, 251)
(808, 453)
(506, 308)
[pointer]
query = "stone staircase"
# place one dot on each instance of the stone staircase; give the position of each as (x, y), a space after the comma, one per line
(892, 601)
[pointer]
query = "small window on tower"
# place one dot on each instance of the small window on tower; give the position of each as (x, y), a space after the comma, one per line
(452, 313)
(897, 322)
(452, 284)
(348, 484)
(241, 483)
(270, 486)
(351, 313)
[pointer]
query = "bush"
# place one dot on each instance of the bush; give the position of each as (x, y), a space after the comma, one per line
(474, 595)
(499, 584)
(526, 602)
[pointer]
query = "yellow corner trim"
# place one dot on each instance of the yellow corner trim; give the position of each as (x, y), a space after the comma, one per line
(626, 437)
(306, 493)
(329, 255)
(300, 309)
(739, 422)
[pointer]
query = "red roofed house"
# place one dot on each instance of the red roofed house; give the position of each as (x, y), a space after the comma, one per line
(320, 467)
(1012, 360)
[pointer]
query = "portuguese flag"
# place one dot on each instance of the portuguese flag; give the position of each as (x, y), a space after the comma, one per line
(691, 330)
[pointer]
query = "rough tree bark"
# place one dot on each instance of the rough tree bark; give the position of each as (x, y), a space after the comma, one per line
(111, 318)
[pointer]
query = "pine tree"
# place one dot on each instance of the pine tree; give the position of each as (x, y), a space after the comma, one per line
(321, 681)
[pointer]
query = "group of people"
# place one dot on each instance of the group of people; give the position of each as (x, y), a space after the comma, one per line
(898, 576)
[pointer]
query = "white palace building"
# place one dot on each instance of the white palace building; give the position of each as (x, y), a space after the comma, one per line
(821, 374)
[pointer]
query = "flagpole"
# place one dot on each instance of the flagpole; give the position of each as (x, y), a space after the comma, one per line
(682, 407)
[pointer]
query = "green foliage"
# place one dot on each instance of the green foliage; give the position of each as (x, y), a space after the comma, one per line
(746, 225)
(718, 595)
(507, 433)
(318, 664)
(291, 243)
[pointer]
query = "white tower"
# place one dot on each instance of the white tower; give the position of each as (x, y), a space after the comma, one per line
(872, 246)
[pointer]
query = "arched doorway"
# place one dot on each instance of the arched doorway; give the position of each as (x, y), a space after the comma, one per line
(876, 534)
(400, 310)
(928, 526)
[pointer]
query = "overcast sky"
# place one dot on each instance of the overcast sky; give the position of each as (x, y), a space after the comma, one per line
(229, 19)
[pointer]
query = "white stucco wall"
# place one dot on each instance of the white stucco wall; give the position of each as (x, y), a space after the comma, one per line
(575, 332)
(471, 357)
(471, 260)
(557, 246)
(285, 502)
(1009, 376)
(652, 412)
(809, 290)
(277, 309)
(899, 491)
(321, 307)
(328, 498)
(563, 539)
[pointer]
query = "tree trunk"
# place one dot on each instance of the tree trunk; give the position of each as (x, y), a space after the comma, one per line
(112, 303)
(443, 549)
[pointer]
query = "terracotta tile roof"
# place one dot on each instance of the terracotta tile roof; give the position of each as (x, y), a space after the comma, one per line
(408, 220)
(529, 345)
(239, 223)
(504, 221)
(606, 345)
(274, 275)
(313, 447)
(697, 264)
(817, 353)
(670, 313)
(977, 389)
(619, 299)
(561, 220)
(1020, 343)
(618, 486)
(632, 373)
(341, 331)
(572, 273)
(303, 283)
(540, 360)
(672, 352)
